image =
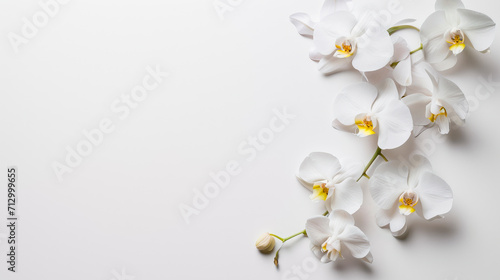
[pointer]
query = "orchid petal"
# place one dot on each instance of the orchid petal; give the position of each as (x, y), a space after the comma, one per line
(419, 166)
(417, 104)
(395, 125)
(332, 6)
(388, 183)
(347, 196)
(330, 28)
(374, 51)
(353, 100)
(355, 241)
(330, 64)
(345, 128)
(435, 195)
(318, 230)
(478, 27)
(319, 166)
(402, 72)
(447, 63)
(303, 23)
(315, 55)
(432, 32)
(339, 220)
(452, 97)
(450, 8)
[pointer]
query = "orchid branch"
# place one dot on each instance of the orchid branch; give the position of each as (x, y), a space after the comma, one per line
(394, 64)
(378, 153)
(393, 29)
(283, 240)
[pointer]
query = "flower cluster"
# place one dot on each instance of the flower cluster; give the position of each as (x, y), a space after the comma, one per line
(404, 92)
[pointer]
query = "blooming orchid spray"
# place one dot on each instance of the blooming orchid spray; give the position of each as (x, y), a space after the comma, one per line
(403, 92)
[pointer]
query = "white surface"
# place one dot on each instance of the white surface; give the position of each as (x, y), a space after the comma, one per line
(119, 209)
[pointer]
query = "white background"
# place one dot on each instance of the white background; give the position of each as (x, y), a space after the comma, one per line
(118, 211)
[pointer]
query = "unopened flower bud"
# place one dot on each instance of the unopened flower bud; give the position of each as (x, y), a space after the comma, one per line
(265, 243)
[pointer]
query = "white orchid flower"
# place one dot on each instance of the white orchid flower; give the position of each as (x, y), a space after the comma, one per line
(331, 182)
(399, 190)
(446, 33)
(445, 104)
(331, 237)
(305, 25)
(359, 109)
(345, 41)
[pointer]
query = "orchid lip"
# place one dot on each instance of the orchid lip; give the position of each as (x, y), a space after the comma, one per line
(442, 112)
(345, 48)
(408, 200)
(456, 39)
(365, 124)
(320, 191)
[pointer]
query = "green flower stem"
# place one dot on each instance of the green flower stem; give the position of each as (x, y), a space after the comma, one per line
(378, 153)
(276, 257)
(394, 64)
(393, 29)
(289, 237)
(416, 50)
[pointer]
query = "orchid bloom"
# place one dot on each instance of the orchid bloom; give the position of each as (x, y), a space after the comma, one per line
(445, 104)
(447, 32)
(344, 38)
(332, 182)
(359, 109)
(331, 237)
(399, 190)
(305, 25)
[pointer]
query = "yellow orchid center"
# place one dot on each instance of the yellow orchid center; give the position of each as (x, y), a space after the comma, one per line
(332, 251)
(408, 200)
(344, 49)
(365, 125)
(442, 112)
(456, 41)
(320, 191)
